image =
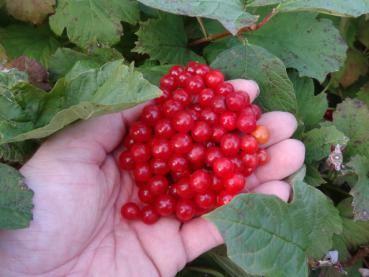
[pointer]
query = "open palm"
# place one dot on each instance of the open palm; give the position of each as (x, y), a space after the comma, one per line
(77, 229)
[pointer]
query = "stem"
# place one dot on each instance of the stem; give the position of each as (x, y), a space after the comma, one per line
(206, 270)
(246, 29)
(202, 26)
(362, 253)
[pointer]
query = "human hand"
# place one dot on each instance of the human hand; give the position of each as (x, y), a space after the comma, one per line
(77, 229)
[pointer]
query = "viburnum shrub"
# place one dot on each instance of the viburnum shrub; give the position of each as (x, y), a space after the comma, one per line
(192, 149)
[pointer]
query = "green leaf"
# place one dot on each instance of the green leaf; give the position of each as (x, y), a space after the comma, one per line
(355, 233)
(318, 142)
(91, 23)
(230, 13)
(154, 73)
(64, 59)
(254, 62)
(351, 117)
(313, 177)
(304, 90)
(363, 94)
(266, 236)
(336, 7)
(29, 113)
(360, 190)
(315, 49)
(15, 199)
(34, 11)
(34, 42)
(17, 152)
(164, 39)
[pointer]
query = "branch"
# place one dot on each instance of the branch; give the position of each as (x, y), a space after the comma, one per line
(362, 253)
(246, 29)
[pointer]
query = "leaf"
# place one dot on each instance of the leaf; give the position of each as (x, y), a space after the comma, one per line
(15, 199)
(315, 49)
(34, 11)
(313, 177)
(360, 191)
(355, 233)
(17, 152)
(266, 236)
(91, 23)
(37, 74)
(363, 94)
(254, 62)
(363, 35)
(34, 42)
(164, 39)
(230, 13)
(351, 117)
(304, 90)
(335, 7)
(64, 59)
(29, 113)
(355, 66)
(318, 142)
(154, 73)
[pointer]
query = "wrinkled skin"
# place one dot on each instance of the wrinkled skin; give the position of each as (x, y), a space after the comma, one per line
(77, 229)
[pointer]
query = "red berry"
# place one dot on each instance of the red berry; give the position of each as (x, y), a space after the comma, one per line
(218, 104)
(142, 172)
(158, 185)
(140, 132)
(205, 200)
(130, 211)
(224, 89)
(150, 114)
(182, 96)
(218, 133)
(247, 171)
(191, 67)
(201, 132)
(178, 175)
(165, 205)
(171, 107)
(194, 114)
(183, 188)
(161, 149)
(197, 154)
(257, 111)
(212, 154)
(223, 167)
(126, 161)
(128, 141)
(159, 167)
(183, 77)
(145, 195)
(178, 163)
(236, 101)
(246, 122)
(249, 144)
(149, 215)
(200, 180)
(185, 210)
(163, 128)
(164, 96)
(195, 84)
(209, 116)
(228, 120)
(230, 144)
(202, 70)
(182, 122)
(181, 143)
(235, 183)
(205, 97)
(224, 197)
(263, 157)
(216, 184)
(250, 160)
(140, 152)
(168, 82)
(175, 70)
(214, 78)
(237, 161)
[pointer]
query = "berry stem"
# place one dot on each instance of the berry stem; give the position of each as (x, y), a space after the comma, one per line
(202, 26)
(245, 29)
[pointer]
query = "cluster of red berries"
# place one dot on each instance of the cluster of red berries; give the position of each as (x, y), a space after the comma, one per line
(191, 150)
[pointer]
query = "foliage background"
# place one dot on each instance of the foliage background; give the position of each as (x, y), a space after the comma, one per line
(67, 60)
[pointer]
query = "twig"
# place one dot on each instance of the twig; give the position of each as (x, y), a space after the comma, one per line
(362, 253)
(246, 29)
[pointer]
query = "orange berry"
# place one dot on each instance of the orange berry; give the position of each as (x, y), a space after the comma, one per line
(261, 134)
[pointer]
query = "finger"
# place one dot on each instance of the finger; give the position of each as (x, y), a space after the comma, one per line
(281, 126)
(278, 188)
(249, 86)
(286, 157)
